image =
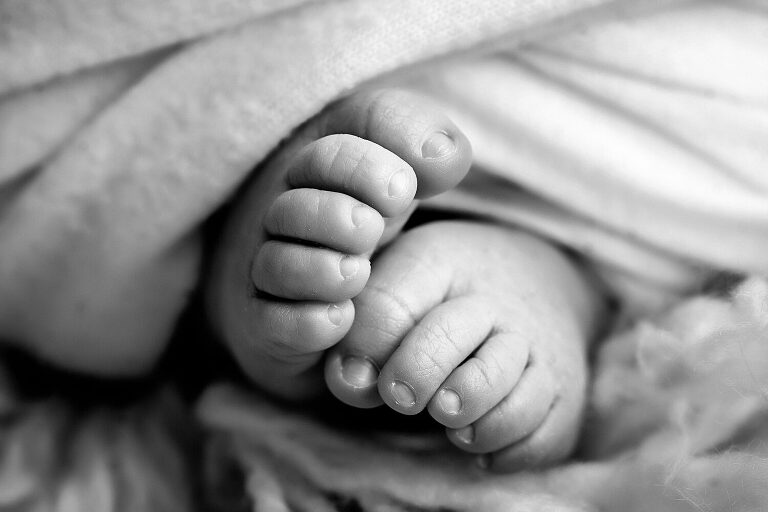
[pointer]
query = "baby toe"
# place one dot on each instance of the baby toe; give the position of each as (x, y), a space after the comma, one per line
(552, 441)
(297, 272)
(410, 126)
(431, 351)
(543, 448)
(482, 381)
(331, 219)
(293, 329)
(291, 336)
(513, 419)
(352, 379)
(404, 286)
(357, 167)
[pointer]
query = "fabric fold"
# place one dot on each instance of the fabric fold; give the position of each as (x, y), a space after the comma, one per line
(47, 38)
(618, 153)
(113, 206)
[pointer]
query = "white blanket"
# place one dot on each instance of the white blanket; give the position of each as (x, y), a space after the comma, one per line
(677, 423)
(632, 131)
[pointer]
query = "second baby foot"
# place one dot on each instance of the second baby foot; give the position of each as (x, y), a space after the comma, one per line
(296, 247)
(484, 327)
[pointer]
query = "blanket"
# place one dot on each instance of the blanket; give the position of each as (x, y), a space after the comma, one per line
(115, 193)
(677, 421)
(630, 131)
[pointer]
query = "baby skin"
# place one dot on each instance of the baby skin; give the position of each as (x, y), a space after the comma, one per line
(484, 327)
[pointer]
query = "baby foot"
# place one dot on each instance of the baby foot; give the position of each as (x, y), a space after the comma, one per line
(296, 248)
(483, 326)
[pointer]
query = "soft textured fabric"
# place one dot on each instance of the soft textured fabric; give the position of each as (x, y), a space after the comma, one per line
(633, 132)
(639, 140)
(103, 233)
(677, 423)
(630, 130)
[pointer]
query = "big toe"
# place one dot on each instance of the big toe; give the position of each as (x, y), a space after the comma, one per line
(407, 281)
(410, 126)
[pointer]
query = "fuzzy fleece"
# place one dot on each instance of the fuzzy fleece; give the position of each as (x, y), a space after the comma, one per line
(678, 422)
(632, 131)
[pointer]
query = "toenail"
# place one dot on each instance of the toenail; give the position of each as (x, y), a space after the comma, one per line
(398, 184)
(466, 434)
(359, 372)
(348, 266)
(438, 145)
(449, 401)
(335, 315)
(403, 394)
(360, 215)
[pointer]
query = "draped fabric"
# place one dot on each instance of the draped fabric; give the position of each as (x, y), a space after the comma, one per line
(632, 131)
(640, 140)
(98, 230)
(677, 423)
